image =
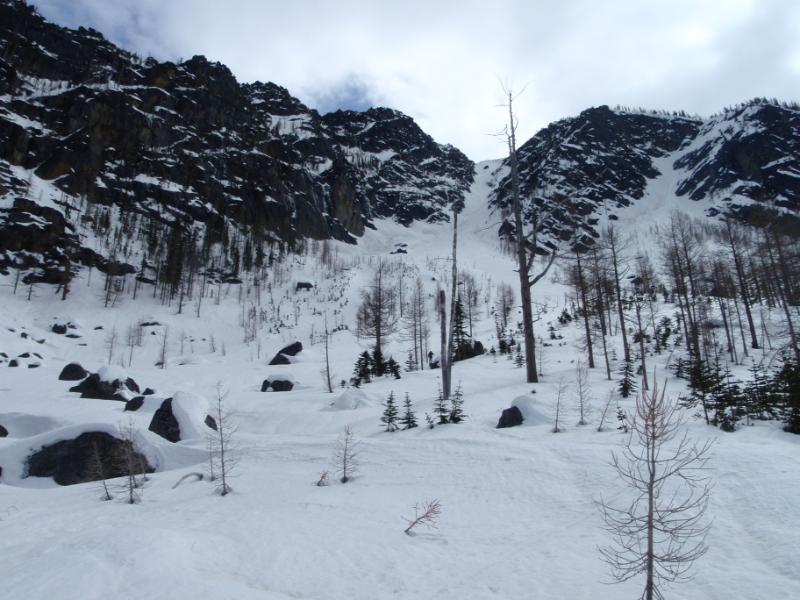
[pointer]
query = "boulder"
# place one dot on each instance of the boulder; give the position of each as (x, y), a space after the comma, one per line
(303, 286)
(73, 372)
(94, 387)
(511, 417)
(531, 410)
(281, 385)
(13, 362)
(350, 400)
(282, 357)
(134, 404)
(59, 329)
(3, 431)
(211, 422)
(148, 392)
(72, 461)
(164, 422)
(265, 385)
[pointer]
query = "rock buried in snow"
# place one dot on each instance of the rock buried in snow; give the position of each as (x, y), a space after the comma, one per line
(211, 422)
(165, 424)
(265, 385)
(73, 372)
(134, 404)
(59, 329)
(281, 385)
(511, 417)
(350, 400)
(72, 461)
(3, 431)
(530, 410)
(94, 387)
(282, 357)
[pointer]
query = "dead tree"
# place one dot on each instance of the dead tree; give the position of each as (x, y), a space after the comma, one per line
(221, 447)
(347, 454)
(526, 250)
(582, 393)
(98, 471)
(377, 315)
(661, 532)
(131, 462)
(425, 513)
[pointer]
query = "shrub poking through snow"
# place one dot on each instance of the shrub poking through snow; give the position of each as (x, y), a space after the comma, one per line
(346, 456)
(409, 419)
(425, 513)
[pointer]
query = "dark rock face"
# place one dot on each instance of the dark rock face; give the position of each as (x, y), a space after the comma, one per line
(281, 385)
(134, 404)
(13, 362)
(71, 461)
(265, 385)
(93, 387)
(73, 372)
(604, 159)
(281, 358)
(303, 286)
(148, 392)
(211, 422)
(189, 140)
(3, 431)
(511, 417)
(164, 422)
(59, 329)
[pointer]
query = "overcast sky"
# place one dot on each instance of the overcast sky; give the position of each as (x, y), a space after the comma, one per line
(443, 62)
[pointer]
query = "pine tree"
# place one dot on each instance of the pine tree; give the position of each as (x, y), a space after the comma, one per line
(456, 406)
(622, 420)
(392, 368)
(627, 385)
(519, 361)
(411, 363)
(389, 417)
(378, 364)
(461, 345)
(409, 419)
(788, 384)
(429, 421)
(440, 409)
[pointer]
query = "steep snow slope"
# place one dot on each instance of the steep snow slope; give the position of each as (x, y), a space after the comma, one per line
(518, 515)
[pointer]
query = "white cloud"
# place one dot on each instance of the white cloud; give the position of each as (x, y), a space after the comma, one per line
(440, 62)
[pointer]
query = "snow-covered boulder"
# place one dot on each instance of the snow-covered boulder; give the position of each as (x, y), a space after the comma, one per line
(531, 410)
(284, 356)
(164, 422)
(510, 417)
(3, 432)
(279, 382)
(109, 383)
(182, 417)
(350, 400)
(73, 372)
(74, 461)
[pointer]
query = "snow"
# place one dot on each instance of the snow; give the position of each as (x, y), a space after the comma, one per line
(519, 516)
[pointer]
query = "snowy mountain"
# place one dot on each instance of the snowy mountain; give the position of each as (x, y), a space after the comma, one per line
(187, 143)
(743, 162)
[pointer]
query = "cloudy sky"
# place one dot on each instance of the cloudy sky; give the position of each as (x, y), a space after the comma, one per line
(444, 62)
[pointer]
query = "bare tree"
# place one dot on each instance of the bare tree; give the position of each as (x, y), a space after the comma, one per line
(582, 394)
(527, 247)
(111, 343)
(98, 471)
(328, 376)
(131, 462)
(661, 532)
(609, 399)
(425, 513)
(222, 451)
(377, 315)
(347, 454)
(561, 389)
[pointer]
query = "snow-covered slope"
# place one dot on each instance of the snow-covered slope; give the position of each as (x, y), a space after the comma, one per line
(519, 515)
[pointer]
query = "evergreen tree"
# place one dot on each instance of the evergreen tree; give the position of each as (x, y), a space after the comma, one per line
(389, 417)
(622, 420)
(361, 371)
(411, 363)
(456, 406)
(462, 347)
(409, 419)
(627, 384)
(392, 368)
(378, 364)
(440, 409)
(429, 421)
(788, 385)
(519, 361)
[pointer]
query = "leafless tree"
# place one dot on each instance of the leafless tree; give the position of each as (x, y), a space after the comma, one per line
(527, 248)
(425, 513)
(328, 376)
(131, 462)
(561, 389)
(98, 471)
(162, 361)
(504, 303)
(347, 454)
(609, 399)
(111, 343)
(582, 393)
(377, 314)
(222, 450)
(661, 532)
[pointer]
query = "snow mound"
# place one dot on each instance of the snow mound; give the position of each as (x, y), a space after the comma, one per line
(531, 410)
(190, 410)
(21, 425)
(350, 400)
(280, 377)
(112, 373)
